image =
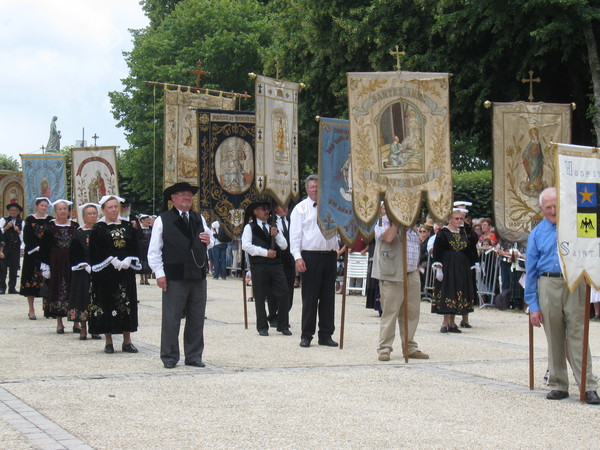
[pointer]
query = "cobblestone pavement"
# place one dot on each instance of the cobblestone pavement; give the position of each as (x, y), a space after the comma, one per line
(59, 392)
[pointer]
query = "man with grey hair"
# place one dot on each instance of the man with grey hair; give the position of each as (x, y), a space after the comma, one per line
(553, 305)
(315, 258)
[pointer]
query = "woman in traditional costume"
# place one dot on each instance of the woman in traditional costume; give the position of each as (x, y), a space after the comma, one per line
(144, 231)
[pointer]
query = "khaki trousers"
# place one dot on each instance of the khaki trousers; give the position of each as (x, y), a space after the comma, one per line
(563, 314)
(392, 301)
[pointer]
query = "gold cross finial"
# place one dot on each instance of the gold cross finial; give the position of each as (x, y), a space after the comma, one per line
(397, 54)
(277, 70)
(199, 72)
(531, 81)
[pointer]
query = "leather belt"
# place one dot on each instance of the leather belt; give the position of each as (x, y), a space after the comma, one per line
(552, 274)
(318, 252)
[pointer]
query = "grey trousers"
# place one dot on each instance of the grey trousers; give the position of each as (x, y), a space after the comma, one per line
(183, 297)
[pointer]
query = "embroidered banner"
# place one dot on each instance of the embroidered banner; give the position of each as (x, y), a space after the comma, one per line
(12, 189)
(44, 176)
(524, 161)
(181, 140)
(93, 174)
(400, 144)
(578, 218)
(335, 212)
(226, 170)
(277, 139)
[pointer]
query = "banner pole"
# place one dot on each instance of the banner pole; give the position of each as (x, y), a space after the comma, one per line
(405, 284)
(530, 352)
(342, 324)
(586, 333)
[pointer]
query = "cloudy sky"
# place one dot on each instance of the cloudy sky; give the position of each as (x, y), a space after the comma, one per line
(62, 57)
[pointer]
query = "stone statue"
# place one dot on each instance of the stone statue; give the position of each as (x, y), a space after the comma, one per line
(53, 145)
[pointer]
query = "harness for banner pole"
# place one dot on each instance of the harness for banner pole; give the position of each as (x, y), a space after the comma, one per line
(343, 321)
(405, 293)
(586, 332)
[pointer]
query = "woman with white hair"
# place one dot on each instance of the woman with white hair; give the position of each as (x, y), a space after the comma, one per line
(56, 265)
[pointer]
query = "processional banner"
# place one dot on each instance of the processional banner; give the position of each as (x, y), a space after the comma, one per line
(226, 168)
(524, 161)
(578, 213)
(12, 189)
(93, 174)
(181, 140)
(277, 139)
(400, 144)
(44, 176)
(335, 212)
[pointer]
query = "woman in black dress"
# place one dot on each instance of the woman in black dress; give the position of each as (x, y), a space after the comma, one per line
(31, 275)
(80, 266)
(454, 259)
(144, 231)
(56, 264)
(114, 257)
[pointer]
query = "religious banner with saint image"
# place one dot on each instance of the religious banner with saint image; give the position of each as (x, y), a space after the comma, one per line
(400, 144)
(335, 212)
(226, 166)
(44, 176)
(277, 139)
(94, 174)
(181, 140)
(12, 189)
(524, 161)
(578, 213)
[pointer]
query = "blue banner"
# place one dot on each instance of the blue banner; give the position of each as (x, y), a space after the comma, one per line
(335, 212)
(44, 176)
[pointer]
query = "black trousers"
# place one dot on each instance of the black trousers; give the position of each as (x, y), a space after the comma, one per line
(289, 269)
(268, 281)
(9, 264)
(318, 293)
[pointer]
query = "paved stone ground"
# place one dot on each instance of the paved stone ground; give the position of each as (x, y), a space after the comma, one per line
(255, 392)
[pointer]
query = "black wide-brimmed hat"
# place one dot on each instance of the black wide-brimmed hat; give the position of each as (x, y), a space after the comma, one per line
(15, 205)
(252, 206)
(182, 186)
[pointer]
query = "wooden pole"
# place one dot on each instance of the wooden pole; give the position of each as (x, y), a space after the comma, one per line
(586, 333)
(405, 284)
(342, 324)
(245, 301)
(530, 352)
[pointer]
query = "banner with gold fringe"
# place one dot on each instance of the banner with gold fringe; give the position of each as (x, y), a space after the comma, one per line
(12, 189)
(44, 176)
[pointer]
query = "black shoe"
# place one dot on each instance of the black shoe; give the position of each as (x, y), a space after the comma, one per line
(108, 348)
(443, 329)
(328, 342)
(464, 324)
(96, 336)
(82, 338)
(60, 330)
(559, 395)
(13, 291)
(76, 330)
(170, 364)
(273, 323)
(454, 329)
(263, 333)
(591, 398)
(195, 364)
(286, 332)
(129, 348)
(250, 299)
(305, 342)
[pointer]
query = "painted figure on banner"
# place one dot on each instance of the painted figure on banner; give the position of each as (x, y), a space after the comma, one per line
(533, 162)
(345, 176)
(234, 166)
(44, 188)
(96, 188)
(401, 119)
(281, 141)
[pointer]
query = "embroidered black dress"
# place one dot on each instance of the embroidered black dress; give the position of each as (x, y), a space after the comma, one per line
(113, 307)
(143, 235)
(455, 294)
(31, 275)
(54, 251)
(80, 278)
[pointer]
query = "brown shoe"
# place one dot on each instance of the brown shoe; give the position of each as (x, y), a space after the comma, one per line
(384, 356)
(418, 355)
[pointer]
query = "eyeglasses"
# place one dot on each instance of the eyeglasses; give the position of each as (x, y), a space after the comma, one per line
(184, 194)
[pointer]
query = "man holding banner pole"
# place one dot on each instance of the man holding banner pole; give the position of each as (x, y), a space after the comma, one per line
(553, 305)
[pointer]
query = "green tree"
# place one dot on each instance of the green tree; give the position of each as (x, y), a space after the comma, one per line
(9, 163)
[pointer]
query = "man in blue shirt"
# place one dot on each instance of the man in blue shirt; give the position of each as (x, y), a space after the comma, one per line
(551, 303)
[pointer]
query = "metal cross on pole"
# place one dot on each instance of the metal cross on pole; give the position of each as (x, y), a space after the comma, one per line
(94, 137)
(199, 72)
(397, 54)
(531, 81)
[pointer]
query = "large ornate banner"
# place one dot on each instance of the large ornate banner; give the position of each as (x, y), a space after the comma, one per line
(226, 169)
(335, 212)
(277, 139)
(93, 173)
(400, 144)
(578, 213)
(181, 140)
(12, 189)
(44, 176)
(524, 161)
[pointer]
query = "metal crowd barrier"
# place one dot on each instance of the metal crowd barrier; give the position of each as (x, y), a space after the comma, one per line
(427, 288)
(487, 277)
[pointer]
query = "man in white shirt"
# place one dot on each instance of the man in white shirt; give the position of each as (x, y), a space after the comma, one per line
(315, 259)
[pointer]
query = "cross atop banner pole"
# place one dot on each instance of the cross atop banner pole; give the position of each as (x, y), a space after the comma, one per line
(531, 80)
(199, 72)
(397, 54)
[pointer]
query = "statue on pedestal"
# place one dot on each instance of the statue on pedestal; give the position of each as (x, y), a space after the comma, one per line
(53, 145)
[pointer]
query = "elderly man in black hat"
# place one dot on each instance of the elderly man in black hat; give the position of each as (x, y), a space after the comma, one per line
(177, 255)
(11, 226)
(268, 278)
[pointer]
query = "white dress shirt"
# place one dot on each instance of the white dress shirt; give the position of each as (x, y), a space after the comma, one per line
(156, 244)
(255, 250)
(305, 233)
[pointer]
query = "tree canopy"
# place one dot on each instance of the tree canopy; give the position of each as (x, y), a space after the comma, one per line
(9, 163)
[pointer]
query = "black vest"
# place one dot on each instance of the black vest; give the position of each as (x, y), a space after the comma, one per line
(260, 239)
(183, 254)
(11, 238)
